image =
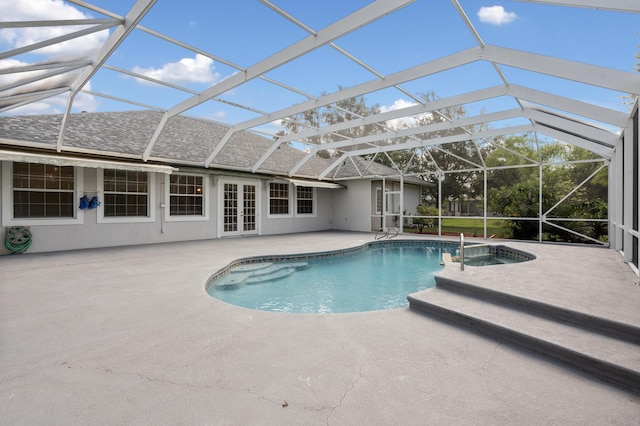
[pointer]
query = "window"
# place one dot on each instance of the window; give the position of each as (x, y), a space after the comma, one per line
(43, 191)
(186, 195)
(304, 199)
(127, 194)
(279, 198)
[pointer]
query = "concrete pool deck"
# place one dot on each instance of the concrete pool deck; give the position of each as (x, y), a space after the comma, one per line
(128, 335)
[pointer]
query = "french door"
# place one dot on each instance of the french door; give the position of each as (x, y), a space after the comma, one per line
(239, 201)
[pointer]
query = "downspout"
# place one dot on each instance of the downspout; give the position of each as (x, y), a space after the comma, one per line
(485, 203)
(163, 206)
(440, 204)
(540, 215)
(401, 215)
(384, 203)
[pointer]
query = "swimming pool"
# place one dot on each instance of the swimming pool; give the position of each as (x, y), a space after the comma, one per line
(376, 276)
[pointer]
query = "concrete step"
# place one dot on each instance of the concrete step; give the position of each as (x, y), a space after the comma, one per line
(610, 358)
(250, 267)
(274, 274)
(256, 273)
(589, 321)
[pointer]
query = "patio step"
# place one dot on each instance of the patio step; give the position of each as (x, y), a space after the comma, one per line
(611, 356)
(273, 274)
(250, 267)
(258, 273)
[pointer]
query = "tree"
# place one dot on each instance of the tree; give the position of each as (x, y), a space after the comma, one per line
(423, 210)
(433, 160)
(342, 111)
(515, 191)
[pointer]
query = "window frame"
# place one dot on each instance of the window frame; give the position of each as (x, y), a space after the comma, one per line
(314, 197)
(8, 200)
(186, 218)
(289, 201)
(151, 204)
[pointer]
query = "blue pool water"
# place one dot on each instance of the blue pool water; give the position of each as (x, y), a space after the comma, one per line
(375, 278)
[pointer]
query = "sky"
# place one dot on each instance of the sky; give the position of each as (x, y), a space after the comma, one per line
(241, 33)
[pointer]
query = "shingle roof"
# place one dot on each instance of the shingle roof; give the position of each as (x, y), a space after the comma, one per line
(183, 140)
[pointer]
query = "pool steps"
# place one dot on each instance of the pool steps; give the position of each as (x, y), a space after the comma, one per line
(256, 273)
(604, 348)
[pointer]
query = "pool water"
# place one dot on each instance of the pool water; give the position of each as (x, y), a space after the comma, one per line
(375, 278)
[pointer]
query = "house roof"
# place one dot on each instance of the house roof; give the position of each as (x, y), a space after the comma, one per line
(264, 76)
(183, 141)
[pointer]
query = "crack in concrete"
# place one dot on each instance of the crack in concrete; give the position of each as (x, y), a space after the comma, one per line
(282, 403)
(489, 359)
(155, 379)
(344, 395)
(486, 384)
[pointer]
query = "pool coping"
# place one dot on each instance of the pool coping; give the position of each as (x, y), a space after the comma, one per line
(494, 249)
(129, 335)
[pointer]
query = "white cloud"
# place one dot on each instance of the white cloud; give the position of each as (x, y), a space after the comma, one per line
(35, 10)
(187, 70)
(57, 105)
(404, 121)
(53, 105)
(82, 47)
(496, 15)
(397, 104)
(216, 116)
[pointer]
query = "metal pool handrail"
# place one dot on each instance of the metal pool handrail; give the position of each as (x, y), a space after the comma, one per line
(461, 251)
(385, 233)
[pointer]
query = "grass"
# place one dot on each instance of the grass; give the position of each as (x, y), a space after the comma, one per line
(470, 227)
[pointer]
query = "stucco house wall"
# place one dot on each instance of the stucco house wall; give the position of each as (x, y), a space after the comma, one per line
(351, 211)
(89, 232)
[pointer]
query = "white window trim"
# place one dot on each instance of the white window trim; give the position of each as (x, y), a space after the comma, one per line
(7, 201)
(290, 198)
(151, 203)
(182, 218)
(314, 195)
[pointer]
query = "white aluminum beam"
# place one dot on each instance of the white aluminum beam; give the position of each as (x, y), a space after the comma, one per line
(123, 100)
(42, 76)
(436, 141)
(412, 131)
(492, 92)
(55, 40)
(447, 139)
(602, 151)
(570, 126)
(589, 74)
(594, 75)
(572, 106)
(422, 70)
(575, 188)
(135, 15)
(10, 102)
(336, 30)
(584, 109)
(45, 66)
(433, 67)
(59, 23)
(614, 5)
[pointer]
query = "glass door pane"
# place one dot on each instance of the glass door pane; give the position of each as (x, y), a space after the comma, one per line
(230, 213)
(249, 207)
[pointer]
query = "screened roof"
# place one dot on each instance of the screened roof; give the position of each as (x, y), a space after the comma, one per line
(563, 70)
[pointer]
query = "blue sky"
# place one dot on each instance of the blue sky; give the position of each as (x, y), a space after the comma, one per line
(244, 32)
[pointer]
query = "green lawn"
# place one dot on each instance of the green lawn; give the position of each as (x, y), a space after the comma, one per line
(470, 227)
